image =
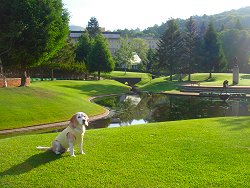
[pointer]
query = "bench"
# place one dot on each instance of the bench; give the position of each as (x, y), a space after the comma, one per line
(192, 83)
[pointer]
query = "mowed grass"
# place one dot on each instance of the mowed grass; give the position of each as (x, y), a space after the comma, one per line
(163, 83)
(51, 101)
(211, 152)
(145, 77)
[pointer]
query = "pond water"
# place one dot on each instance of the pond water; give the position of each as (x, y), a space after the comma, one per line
(144, 108)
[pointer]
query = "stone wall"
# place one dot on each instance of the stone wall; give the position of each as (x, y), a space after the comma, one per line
(13, 82)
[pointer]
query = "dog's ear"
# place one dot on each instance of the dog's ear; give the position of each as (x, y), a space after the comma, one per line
(87, 121)
(73, 122)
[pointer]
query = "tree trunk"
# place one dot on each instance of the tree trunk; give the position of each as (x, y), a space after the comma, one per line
(99, 75)
(210, 74)
(52, 74)
(24, 74)
(171, 77)
(1, 68)
(41, 73)
(189, 72)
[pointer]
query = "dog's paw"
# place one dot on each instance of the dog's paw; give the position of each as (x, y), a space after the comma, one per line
(73, 156)
(82, 152)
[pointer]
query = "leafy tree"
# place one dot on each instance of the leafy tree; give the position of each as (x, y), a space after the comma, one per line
(152, 60)
(236, 43)
(215, 58)
(100, 58)
(124, 54)
(169, 48)
(83, 48)
(140, 46)
(93, 27)
(33, 30)
(65, 55)
(189, 42)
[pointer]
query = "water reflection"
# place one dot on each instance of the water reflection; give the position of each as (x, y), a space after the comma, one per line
(144, 108)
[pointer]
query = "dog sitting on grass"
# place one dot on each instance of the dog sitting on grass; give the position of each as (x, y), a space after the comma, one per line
(70, 136)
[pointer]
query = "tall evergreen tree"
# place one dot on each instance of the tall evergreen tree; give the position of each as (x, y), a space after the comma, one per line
(100, 58)
(93, 27)
(83, 48)
(152, 60)
(215, 58)
(169, 47)
(189, 41)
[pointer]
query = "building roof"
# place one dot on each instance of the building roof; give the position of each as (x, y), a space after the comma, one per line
(107, 34)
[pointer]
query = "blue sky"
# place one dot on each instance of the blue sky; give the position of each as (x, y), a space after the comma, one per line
(132, 14)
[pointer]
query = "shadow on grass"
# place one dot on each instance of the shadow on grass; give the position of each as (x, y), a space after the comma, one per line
(236, 124)
(245, 77)
(31, 163)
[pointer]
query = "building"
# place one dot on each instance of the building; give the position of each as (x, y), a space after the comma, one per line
(114, 39)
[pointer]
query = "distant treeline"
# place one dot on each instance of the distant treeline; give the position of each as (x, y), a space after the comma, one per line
(223, 21)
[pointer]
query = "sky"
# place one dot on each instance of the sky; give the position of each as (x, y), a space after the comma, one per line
(132, 14)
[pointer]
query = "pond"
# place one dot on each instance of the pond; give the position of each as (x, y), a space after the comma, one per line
(146, 108)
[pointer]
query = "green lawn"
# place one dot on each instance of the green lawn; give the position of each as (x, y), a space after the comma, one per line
(211, 152)
(52, 101)
(163, 83)
(218, 78)
(145, 77)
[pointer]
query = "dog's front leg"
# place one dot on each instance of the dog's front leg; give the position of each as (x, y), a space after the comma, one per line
(71, 149)
(81, 146)
(71, 139)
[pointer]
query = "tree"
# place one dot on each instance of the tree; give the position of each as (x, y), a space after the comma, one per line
(100, 58)
(236, 43)
(39, 31)
(140, 46)
(152, 60)
(124, 54)
(169, 48)
(65, 56)
(238, 25)
(93, 27)
(189, 41)
(215, 58)
(83, 47)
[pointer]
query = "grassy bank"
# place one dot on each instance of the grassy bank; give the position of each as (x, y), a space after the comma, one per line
(51, 101)
(163, 83)
(193, 153)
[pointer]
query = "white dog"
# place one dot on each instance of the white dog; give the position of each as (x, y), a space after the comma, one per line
(70, 136)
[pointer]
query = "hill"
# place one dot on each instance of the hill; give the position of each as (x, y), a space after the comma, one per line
(76, 28)
(226, 19)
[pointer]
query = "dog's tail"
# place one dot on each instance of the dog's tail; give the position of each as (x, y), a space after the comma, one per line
(44, 148)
